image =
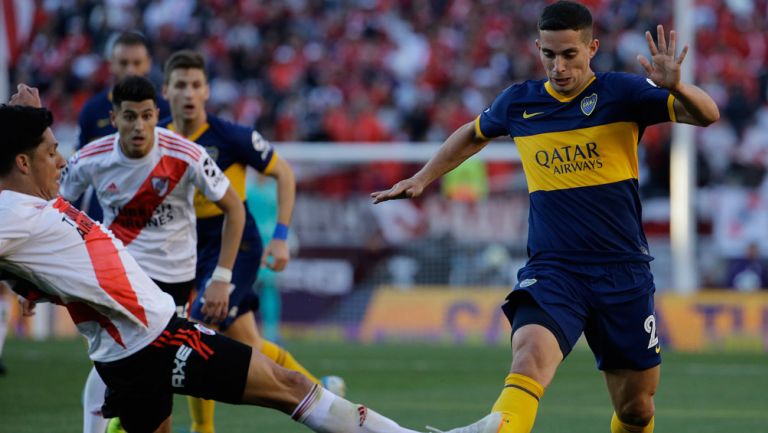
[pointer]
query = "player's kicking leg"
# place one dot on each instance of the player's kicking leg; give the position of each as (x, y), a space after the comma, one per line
(536, 356)
(632, 396)
(190, 359)
(244, 329)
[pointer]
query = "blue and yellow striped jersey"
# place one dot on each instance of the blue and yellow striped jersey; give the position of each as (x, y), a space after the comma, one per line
(232, 146)
(579, 155)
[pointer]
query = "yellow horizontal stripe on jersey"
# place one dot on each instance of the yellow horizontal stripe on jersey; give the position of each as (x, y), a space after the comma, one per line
(205, 208)
(582, 157)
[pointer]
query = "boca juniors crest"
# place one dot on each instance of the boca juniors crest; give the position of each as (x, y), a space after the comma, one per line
(588, 104)
(160, 185)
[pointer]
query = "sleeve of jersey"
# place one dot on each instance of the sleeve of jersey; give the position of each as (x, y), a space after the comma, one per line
(209, 179)
(651, 103)
(254, 149)
(72, 182)
(15, 226)
(493, 122)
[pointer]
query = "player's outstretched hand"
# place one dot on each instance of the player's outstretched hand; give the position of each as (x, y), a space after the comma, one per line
(216, 301)
(26, 95)
(664, 67)
(276, 255)
(408, 188)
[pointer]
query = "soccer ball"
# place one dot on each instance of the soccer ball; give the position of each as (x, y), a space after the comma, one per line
(335, 384)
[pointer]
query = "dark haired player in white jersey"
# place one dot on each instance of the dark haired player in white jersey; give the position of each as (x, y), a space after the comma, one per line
(145, 179)
(588, 269)
(140, 348)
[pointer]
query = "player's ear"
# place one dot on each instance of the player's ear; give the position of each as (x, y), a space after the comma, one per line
(113, 117)
(594, 44)
(23, 163)
(165, 91)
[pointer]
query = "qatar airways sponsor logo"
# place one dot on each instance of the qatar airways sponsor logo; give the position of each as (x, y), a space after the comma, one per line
(570, 158)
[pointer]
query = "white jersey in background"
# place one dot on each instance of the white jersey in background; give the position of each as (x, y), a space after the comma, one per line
(77, 263)
(148, 202)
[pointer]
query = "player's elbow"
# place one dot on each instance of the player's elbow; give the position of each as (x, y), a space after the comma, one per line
(712, 117)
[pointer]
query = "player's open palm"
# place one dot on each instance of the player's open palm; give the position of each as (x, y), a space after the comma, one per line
(664, 67)
(276, 255)
(408, 188)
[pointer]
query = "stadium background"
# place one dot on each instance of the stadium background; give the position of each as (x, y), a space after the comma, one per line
(396, 77)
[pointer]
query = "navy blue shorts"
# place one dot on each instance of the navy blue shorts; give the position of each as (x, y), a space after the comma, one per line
(243, 298)
(612, 304)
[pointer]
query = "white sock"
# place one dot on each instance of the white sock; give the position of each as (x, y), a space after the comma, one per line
(93, 399)
(325, 412)
(5, 313)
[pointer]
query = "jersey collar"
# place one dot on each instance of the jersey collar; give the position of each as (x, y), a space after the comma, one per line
(552, 92)
(195, 135)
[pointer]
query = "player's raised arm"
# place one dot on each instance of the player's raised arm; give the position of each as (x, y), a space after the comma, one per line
(463, 143)
(692, 105)
(277, 248)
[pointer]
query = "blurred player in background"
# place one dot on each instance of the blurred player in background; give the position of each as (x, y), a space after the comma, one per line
(588, 268)
(145, 179)
(129, 56)
(144, 352)
(233, 147)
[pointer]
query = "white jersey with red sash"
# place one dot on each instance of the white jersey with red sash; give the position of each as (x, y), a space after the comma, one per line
(76, 262)
(148, 202)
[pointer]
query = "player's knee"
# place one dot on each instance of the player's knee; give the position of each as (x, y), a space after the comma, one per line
(637, 411)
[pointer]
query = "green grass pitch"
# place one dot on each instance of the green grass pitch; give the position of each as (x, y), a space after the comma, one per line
(444, 386)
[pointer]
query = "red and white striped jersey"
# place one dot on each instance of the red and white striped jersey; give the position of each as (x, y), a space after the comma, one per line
(78, 263)
(149, 202)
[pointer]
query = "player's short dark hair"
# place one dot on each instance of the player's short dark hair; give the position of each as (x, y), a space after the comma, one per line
(131, 38)
(183, 59)
(134, 89)
(566, 15)
(23, 129)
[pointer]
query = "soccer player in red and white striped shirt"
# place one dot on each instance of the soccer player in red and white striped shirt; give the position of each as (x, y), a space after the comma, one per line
(144, 353)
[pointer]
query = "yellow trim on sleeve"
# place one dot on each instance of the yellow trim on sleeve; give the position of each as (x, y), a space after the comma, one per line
(478, 132)
(671, 107)
(271, 164)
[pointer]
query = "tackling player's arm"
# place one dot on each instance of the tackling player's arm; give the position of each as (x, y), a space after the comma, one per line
(217, 293)
(463, 143)
(277, 249)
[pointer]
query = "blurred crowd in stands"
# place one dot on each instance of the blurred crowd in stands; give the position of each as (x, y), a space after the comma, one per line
(402, 70)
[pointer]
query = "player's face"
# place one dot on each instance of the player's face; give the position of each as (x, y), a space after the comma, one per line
(45, 166)
(135, 123)
(129, 60)
(565, 55)
(187, 91)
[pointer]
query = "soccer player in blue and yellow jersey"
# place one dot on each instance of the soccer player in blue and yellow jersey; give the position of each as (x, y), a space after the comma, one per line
(233, 147)
(588, 269)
